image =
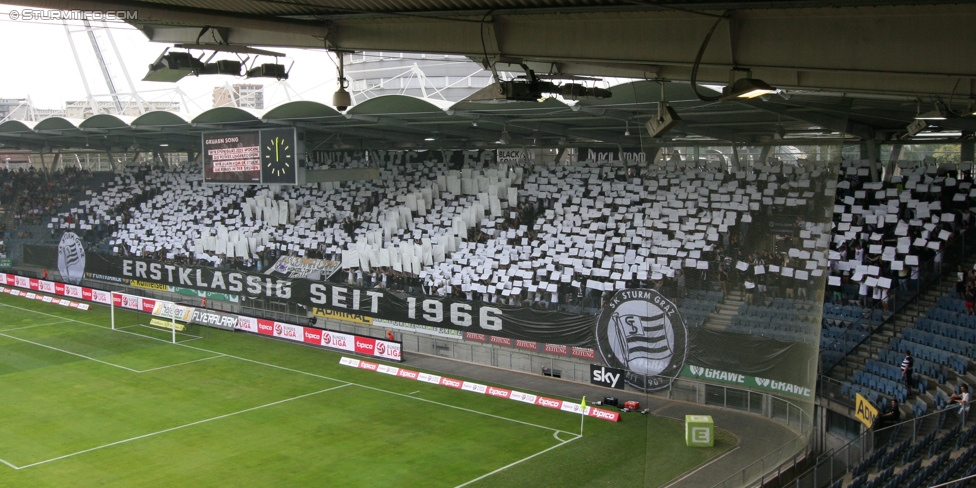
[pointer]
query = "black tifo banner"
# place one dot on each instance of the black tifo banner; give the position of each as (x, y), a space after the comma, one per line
(639, 331)
(477, 317)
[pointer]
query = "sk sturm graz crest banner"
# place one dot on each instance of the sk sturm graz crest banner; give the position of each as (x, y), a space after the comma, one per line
(641, 331)
(71, 258)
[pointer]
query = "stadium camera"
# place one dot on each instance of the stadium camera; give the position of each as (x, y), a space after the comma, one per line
(341, 100)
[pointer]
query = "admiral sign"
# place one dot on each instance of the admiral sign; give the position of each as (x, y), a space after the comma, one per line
(865, 411)
(641, 331)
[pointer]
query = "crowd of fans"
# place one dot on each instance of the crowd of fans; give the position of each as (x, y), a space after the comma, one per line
(31, 196)
(550, 236)
(547, 236)
(887, 234)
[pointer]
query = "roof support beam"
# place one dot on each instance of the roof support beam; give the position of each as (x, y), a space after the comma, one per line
(895, 49)
(841, 124)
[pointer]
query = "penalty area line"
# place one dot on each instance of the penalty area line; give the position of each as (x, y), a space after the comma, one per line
(33, 326)
(8, 464)
(181, 364)
(69, 352)
(298, 371)
(191, 424)
(520, 461)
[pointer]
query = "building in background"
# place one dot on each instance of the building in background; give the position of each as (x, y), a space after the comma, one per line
(432, 76)
(82, 109)
(14, 108)
(243, 95)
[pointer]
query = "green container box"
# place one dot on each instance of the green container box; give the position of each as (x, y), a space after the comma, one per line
(699, 431)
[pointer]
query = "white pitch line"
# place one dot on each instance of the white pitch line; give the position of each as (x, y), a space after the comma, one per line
(181, 364)
(312, 374)
(415, 392)
(556, 435)
(32, 326)
(8, 464)
(461, 408)
(69, 352)
(198, 422)
(520, 461)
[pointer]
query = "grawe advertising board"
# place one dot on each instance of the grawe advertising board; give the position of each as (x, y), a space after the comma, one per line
(566, 406)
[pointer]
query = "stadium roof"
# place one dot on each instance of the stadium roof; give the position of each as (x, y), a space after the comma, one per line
(856, 68)
(402, 122)
(891, 47)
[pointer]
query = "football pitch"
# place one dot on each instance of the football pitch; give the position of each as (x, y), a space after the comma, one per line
(84, 405)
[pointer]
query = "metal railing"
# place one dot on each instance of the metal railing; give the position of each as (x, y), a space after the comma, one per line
(836, 463)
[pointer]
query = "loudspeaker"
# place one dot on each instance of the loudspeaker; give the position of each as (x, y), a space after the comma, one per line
(666, 119)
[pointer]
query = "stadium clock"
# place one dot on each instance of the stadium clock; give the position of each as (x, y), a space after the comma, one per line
(278, 159)
(278, 156)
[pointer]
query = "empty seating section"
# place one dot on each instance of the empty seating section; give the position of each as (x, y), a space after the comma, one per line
(868, 462)
(892, 456)
(842, 329)
(930, 353)
(942, 441)
(783, 319)
(883, 378)
(699, 305)
(942, 342)
(914, 451)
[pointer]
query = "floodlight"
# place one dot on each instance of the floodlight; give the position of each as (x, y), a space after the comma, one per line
(268, 70)
(940, 113)
(744, 88)
(222, 67)
(171, 67)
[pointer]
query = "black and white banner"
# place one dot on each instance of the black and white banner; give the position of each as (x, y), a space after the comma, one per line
(448, 313)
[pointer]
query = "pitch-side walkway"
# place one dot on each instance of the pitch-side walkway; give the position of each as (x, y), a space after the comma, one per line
(757, 436)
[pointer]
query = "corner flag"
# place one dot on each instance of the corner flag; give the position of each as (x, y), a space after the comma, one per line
(582, 414)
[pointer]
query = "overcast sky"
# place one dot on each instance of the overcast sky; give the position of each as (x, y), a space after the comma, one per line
(39, 64)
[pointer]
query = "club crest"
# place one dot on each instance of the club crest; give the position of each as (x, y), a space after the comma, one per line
(71, 258)
(642, 332)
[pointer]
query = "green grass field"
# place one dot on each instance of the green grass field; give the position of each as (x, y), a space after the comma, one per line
(83, 405)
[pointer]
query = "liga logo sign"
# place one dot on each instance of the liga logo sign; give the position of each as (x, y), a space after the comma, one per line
(642, 332)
